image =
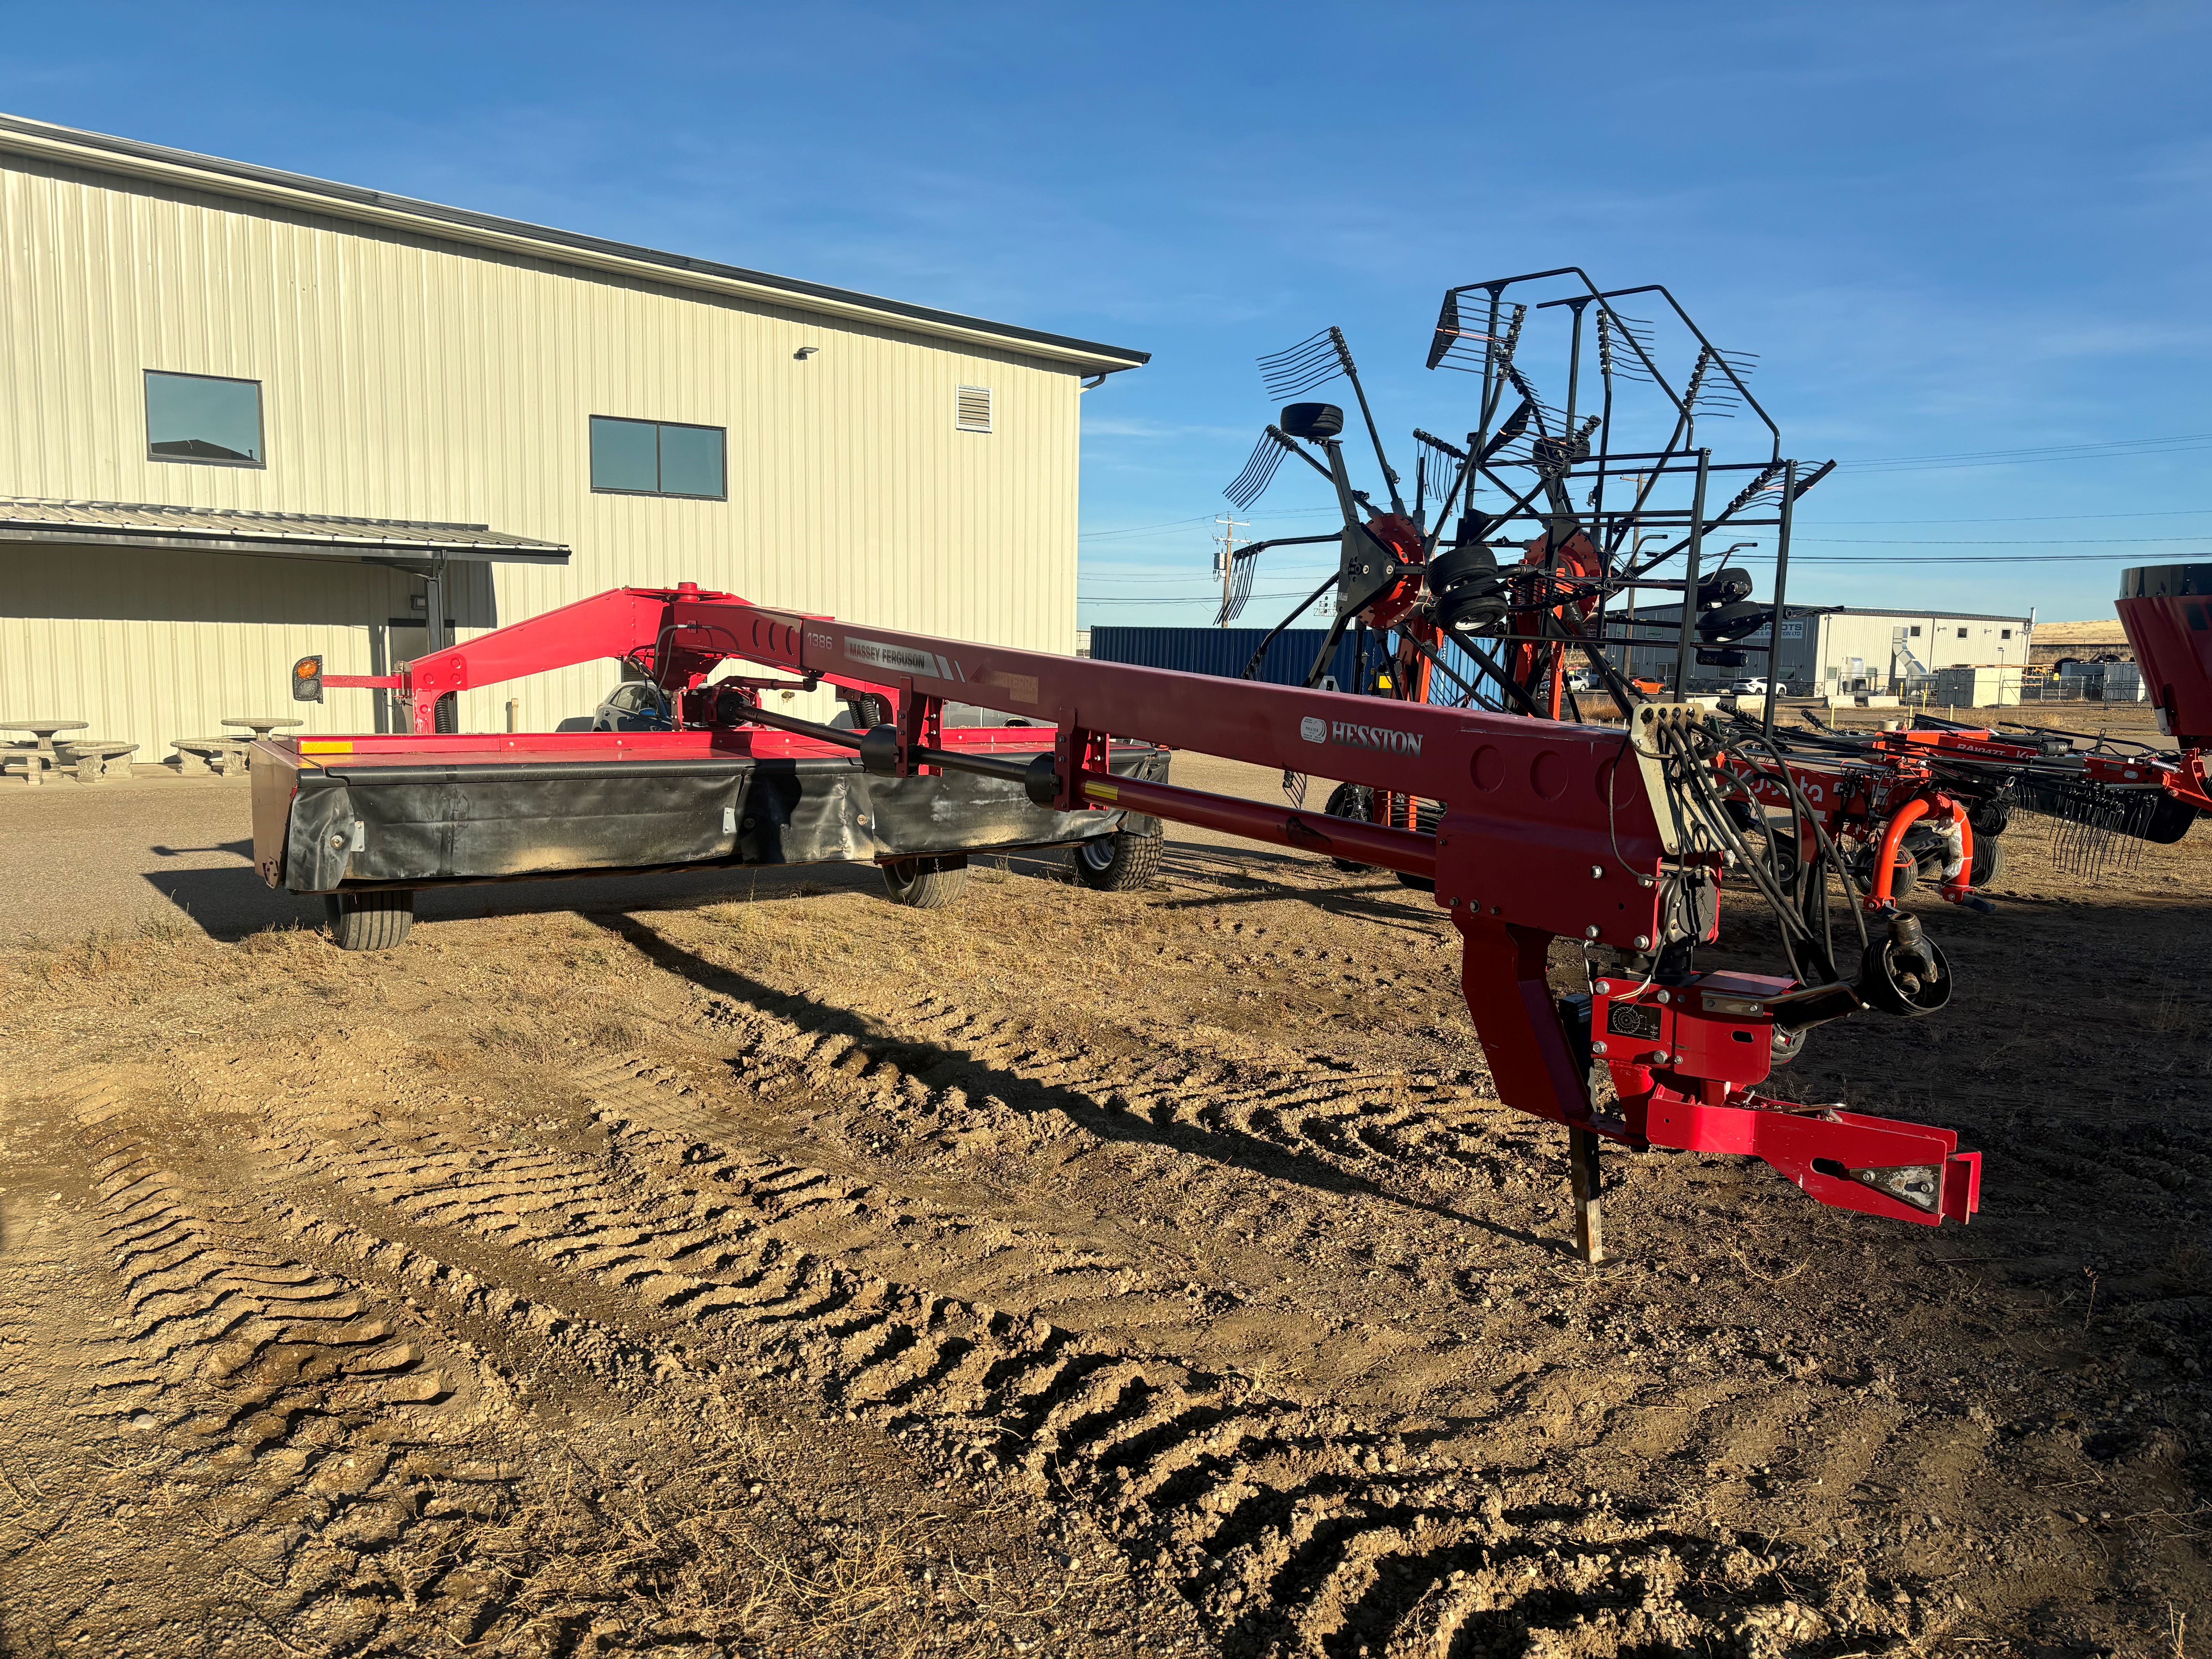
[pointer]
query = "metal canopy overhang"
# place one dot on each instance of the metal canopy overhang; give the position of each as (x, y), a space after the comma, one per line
(411, 544)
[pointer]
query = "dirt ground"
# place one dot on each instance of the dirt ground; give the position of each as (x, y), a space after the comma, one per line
(1072, 1273)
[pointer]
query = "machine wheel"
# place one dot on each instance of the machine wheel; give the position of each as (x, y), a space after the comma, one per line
(1428, 817)
(369, 921)
(1905, 877)
(927, 883)
(1988, 867)
(2170, 820)
(1992, 816)
(1789, 858)
(1351, 801)
(1118, 863)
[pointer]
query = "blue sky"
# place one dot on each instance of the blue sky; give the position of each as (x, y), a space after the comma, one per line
(1947, 229)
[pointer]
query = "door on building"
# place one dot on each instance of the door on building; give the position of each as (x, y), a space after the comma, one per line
(401, 640)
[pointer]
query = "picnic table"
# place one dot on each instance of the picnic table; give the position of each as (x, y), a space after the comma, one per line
(260, 725)
(43, 730)
(30, 760)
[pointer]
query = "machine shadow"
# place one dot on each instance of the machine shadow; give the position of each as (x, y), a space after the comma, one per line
(1232, 1148)
(1384, 904)
(229, 904)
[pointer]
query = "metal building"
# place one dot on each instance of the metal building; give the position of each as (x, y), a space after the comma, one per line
(248, 415)
(1838, 650)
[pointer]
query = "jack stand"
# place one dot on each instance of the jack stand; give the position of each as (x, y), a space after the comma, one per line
(1589, 1208)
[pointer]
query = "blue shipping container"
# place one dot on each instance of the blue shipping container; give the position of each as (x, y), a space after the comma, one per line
(1223, 651)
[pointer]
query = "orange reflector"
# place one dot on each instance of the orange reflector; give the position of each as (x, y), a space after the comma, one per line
(319, 746)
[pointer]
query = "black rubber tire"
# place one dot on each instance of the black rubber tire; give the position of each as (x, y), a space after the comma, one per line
(369, 921)
(1905, 878)
(1118, 863)
(1355, 801)
(928, 883)
(1992, 816)
(1428, 817)
(2170, 820)
(1785, 857)
(1989, 865)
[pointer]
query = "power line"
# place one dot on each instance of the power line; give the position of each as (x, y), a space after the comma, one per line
(1177, 524)
(1137, 529)
(2038, 518)
(1993, 541)
(2043, 452)
(1177, 598)
(1847, 559)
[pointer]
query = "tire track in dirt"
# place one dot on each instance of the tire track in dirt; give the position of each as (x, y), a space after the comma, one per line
(1291, 1527)
(1420, 1134)
(310, 1423)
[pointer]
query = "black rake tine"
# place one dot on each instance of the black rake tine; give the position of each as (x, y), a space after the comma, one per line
(1288, 384)
(1248, 486)
(1304, 348)
(1240, 588)
(1313, 361)
(1531, 403)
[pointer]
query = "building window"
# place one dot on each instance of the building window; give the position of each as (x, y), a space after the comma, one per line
(2004, 633)
(206, 418)
(971, 408)
(657, 458)
(1916, 630)
(1962, 633)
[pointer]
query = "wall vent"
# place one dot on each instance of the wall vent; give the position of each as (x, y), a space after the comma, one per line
(972, 407)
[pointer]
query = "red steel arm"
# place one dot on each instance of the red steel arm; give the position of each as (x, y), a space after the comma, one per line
(618, 623)
(1547, 830)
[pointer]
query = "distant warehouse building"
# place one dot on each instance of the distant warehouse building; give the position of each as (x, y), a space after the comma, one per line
(251, 414)
(1838, 650)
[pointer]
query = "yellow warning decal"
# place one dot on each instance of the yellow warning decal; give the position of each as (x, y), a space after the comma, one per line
(317, 746)
(1105, 791)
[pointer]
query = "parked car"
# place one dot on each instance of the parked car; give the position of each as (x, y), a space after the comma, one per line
(1754, 686)
(632, 706)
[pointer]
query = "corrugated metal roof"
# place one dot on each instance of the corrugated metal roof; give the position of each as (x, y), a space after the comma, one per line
(351, 201)
(228, 530)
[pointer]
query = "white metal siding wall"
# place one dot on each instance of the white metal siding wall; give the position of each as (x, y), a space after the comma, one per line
(406, 377)
(187, 639)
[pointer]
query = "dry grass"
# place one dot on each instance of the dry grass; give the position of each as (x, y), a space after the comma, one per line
(715, 1555)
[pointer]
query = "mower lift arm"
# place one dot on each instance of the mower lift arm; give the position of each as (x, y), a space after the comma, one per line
(1548, 830)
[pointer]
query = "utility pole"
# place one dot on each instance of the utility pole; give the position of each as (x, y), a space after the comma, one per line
(1224, 555)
